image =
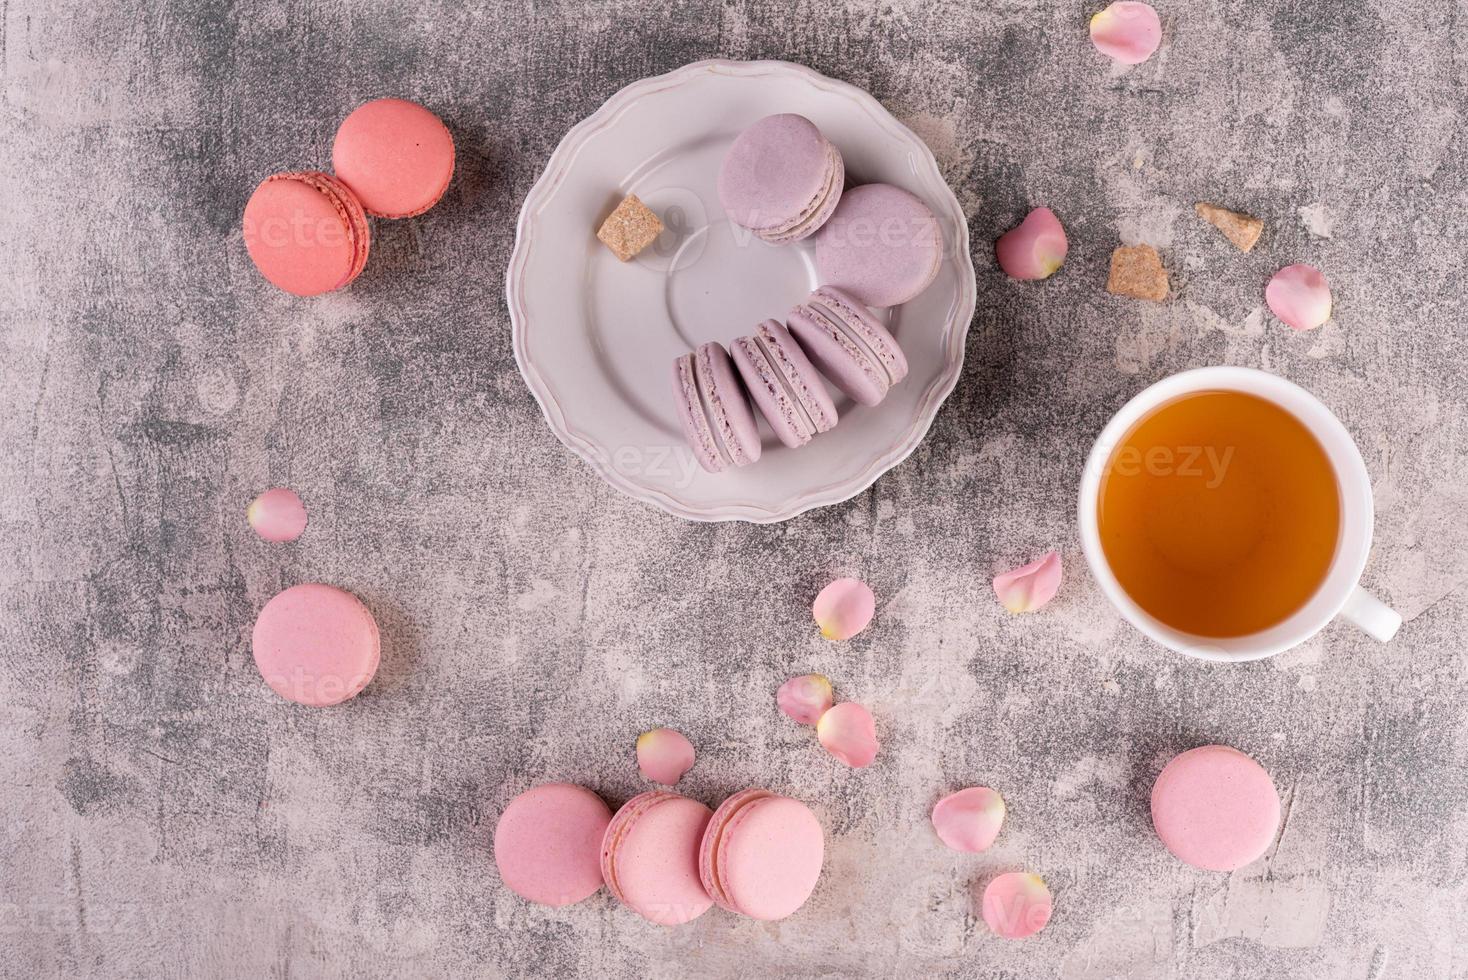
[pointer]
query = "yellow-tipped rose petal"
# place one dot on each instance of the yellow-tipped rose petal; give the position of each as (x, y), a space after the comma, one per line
(1017, 905)
(1034, 248)
(805, 698)
(844, 608)
(848, 732)
(1300, 296)
(277, 515)
(970, 819)
(1031, 586)
(664, 755)
(1127, 31)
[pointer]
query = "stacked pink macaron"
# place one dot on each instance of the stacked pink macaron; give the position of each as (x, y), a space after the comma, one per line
(664, 856)
(781, 179)
(307, 231)
(782, 368)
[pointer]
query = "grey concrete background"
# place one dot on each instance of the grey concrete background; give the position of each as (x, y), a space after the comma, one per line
(166, 815)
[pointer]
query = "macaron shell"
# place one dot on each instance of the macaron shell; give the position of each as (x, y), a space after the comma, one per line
(316, 645)
(883, 245)
(823, 208)
(774, 173)
(696, 429)
(731, 417)
(837, 356)
(713, 837)
(396, 155)
(625, 816)
(655, 861)
(770, 857)
(547, 843)
(1215, 808)
(306, 232)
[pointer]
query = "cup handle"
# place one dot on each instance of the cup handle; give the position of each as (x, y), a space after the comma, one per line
(1369, 613)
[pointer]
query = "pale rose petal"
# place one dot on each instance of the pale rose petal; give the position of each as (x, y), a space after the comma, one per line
(664, 755)
(1300, 296)
(1127, 31)
(1034, 248)
(805, 698)
(970, 819)
(848, 732)
(844, 608)
(1030, 587)
(1017, 905)
(277, 515)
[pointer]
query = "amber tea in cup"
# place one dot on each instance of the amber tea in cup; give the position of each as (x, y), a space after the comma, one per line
(1219, 513)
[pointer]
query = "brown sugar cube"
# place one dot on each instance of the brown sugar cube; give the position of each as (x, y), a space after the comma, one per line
(1136, 270)
(629, 229)
(1241, 229)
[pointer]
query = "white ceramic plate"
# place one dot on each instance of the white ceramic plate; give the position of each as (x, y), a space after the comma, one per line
(595, 338)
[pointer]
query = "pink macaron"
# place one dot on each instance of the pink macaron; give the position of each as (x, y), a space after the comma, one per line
(761, 854)
(714, 410)
(850, 345)
(1215, 808)
(781, 178)
(306, 232)
(396, 155)
(784, 384)
(882, 245)
(649, 857)
(547, 843)
(316, 644)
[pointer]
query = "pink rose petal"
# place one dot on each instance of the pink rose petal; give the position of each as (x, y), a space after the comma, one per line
(844, 608)
(1127, 31)
(1028, 588)
(1017, 905)
(1034, 248)
(277, 515)
(805, 698)
(664, 755)
(970, 819)
(848, 732)
(1300, 296)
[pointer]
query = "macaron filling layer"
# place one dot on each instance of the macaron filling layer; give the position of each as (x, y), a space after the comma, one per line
(866, 329)
(694, 415)
(728, 446)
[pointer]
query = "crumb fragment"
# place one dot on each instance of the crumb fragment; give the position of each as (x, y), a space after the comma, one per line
(1136, 271)
(1241, 229)
(629, 229)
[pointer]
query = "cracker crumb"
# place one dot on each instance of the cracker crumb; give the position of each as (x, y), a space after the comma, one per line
(1136, 270)
(1241, 229)
(629, 229)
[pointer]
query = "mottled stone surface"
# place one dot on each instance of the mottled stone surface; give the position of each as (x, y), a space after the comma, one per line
(166, 815)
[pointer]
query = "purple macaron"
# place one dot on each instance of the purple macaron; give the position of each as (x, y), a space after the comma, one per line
(785, 386)
(883, 245)
(715, 412)
(848, 344)
(781, 179)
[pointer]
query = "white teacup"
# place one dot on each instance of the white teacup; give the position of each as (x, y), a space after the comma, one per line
(1340, 594)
